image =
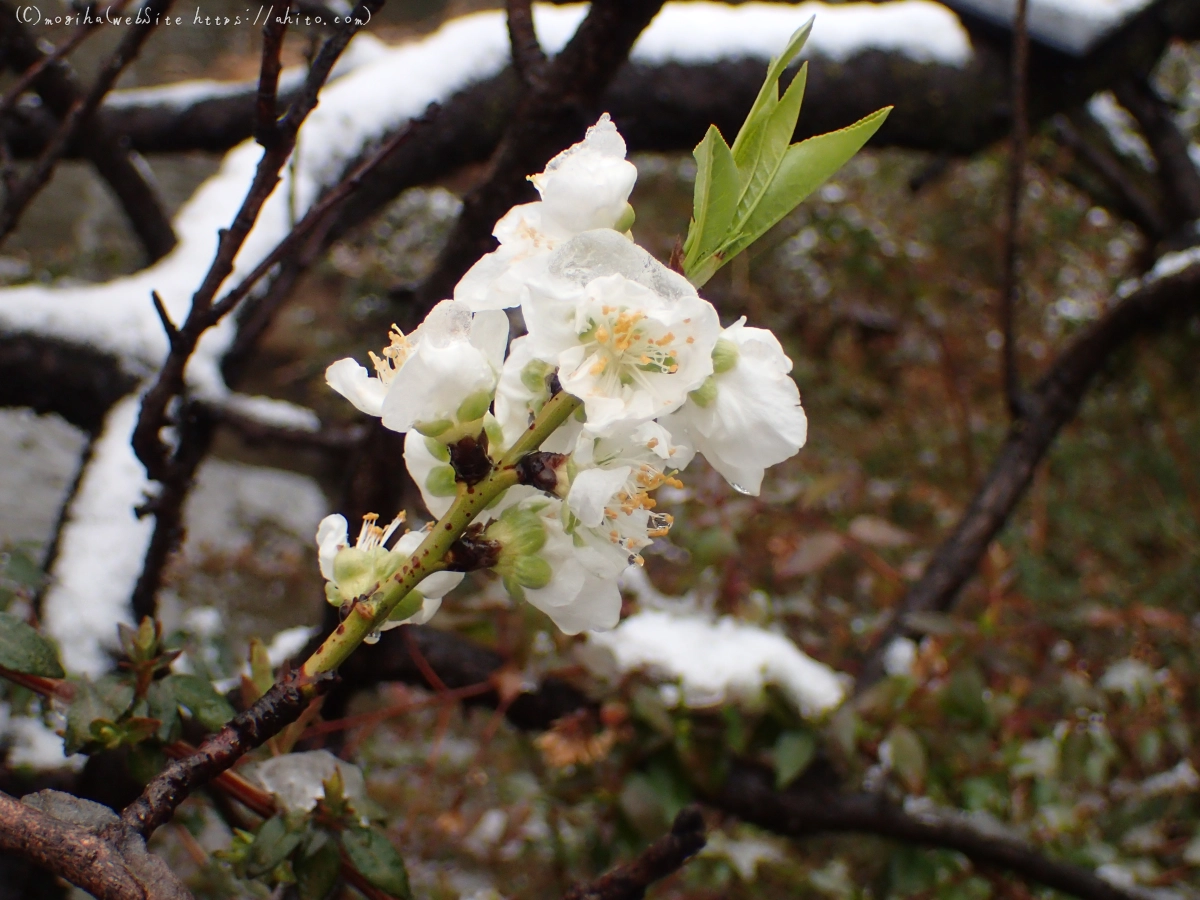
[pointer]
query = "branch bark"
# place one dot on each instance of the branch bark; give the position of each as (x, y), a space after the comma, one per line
(77, 382)
(118, 166)
(1051, 404)
(1179, 175)
(276, 709)
(85, 844)
(749, 793)
(664, 857)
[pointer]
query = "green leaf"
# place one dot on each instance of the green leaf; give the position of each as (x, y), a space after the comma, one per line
(804, 168)
(776, 137)
(272, 845)
(375, 857)
(106, 699)
(908, 757)
(745, 146)
(162, 705)
(317, 873)
(715, 197)
(201, 699)
(23, 650)
(20, 568)
(794, 751)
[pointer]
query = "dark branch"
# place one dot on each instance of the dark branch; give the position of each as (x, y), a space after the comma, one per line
(1180, 178)
(1118, 190)
(274, 30)
(61, 92)
(528, 58)
(204, 313)
(940, 108)
(750, 794)
(1051, 404)
(1010, 288)
(85, 843)
(277, 708)
(74, 381)
(253, 431)
(662, 858)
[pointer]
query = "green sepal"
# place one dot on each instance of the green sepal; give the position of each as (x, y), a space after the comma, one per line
(442, 481)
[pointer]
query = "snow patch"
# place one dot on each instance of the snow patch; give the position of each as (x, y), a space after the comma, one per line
(34, 745)
(101, 550)
(1122, 129)
(720, 661)
(1071, 25)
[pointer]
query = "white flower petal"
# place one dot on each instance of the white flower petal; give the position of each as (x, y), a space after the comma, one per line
(592, 490)
(421, 463)
(332, 536)
(587, 185)
(489, 333)
(598, 607)
(354, 383)
(755, 421)
(434, 382)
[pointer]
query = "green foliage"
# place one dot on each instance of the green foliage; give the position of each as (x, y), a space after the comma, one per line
(23, 650)
(794, 751)
(20, 576)
(374, 856)
(743, 190)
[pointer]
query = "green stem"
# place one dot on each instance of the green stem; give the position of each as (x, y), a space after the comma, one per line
(366, 616)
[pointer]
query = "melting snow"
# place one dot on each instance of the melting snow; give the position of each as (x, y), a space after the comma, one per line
(720, 661)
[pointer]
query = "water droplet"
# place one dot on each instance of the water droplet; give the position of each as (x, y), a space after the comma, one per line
(372, 638)
(739, 488)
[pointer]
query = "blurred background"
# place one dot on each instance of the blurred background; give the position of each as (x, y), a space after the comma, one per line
(1062, 684)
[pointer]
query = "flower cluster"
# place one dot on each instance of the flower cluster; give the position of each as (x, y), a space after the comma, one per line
(624, 374)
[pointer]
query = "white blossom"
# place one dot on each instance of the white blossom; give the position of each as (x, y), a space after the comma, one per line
(611, 480)
(355, 571)
(748, 417)
(541, 564)
(629, 353)
(586, 186)
(521, 392)
(441, 375)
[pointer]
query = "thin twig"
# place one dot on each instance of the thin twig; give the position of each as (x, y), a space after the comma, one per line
(664, 857)
(63, 50)
(203, 314)
(175, 469)
(274, 30)
(277, 708)
(1010, 288)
